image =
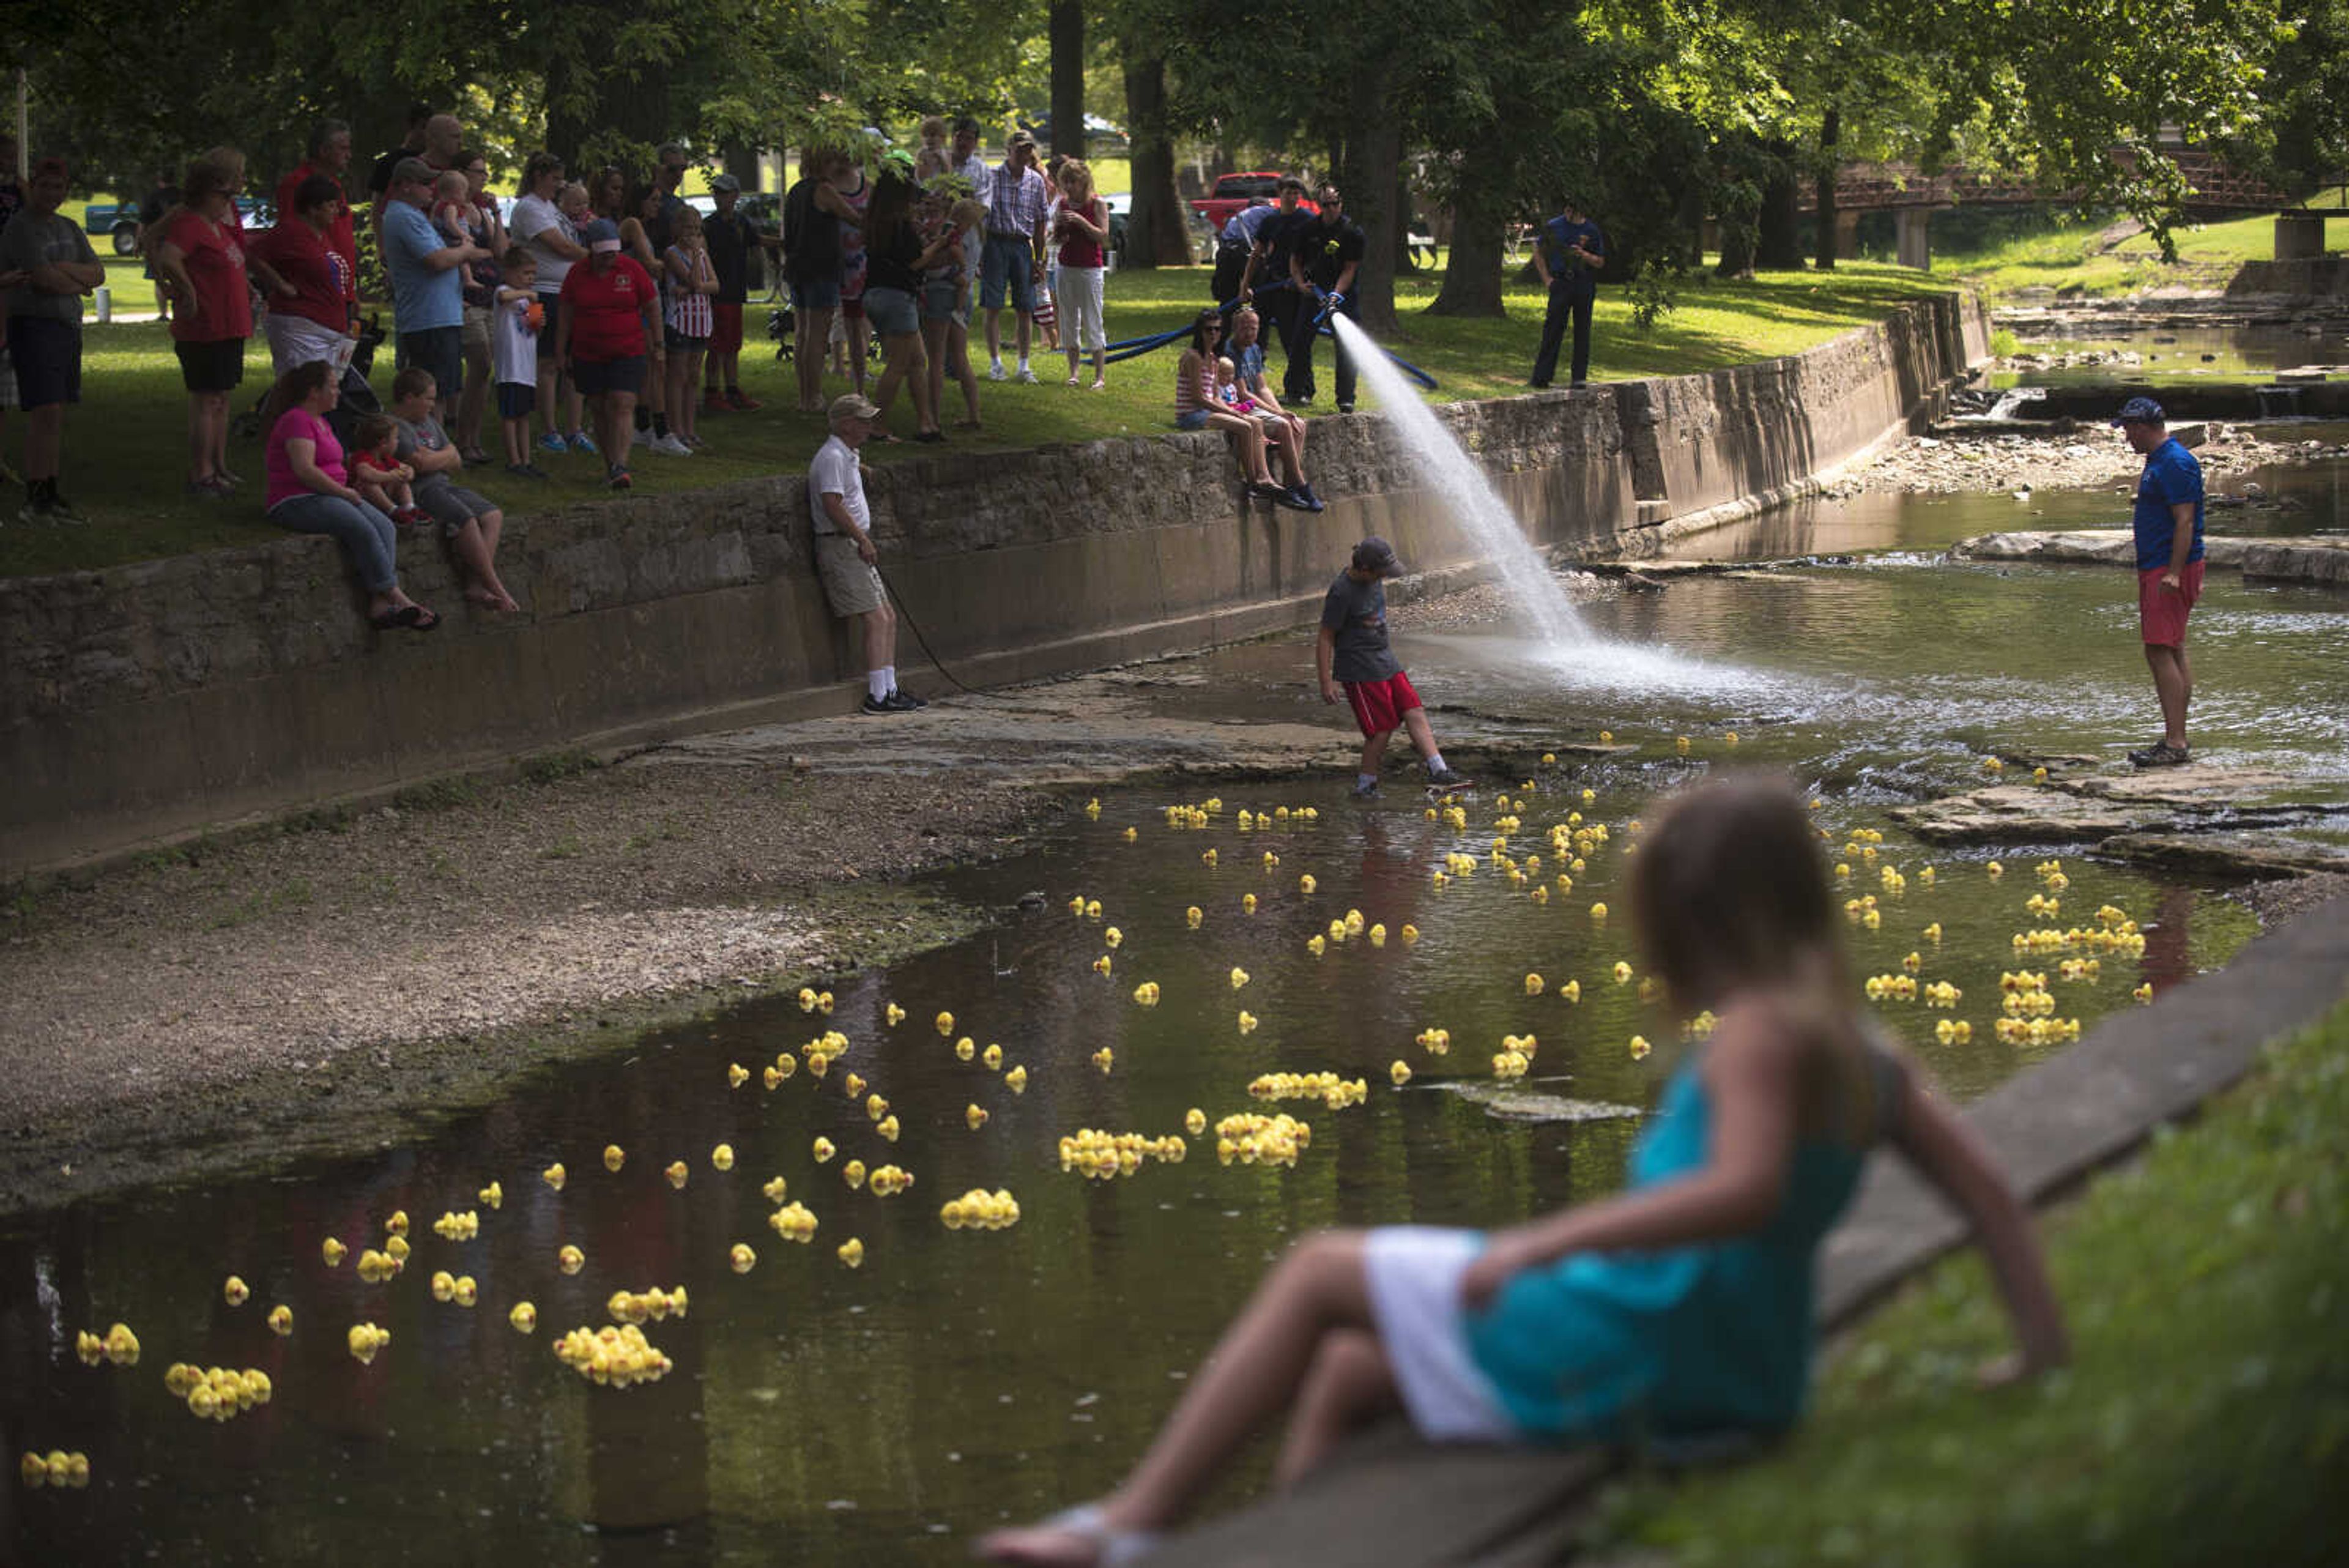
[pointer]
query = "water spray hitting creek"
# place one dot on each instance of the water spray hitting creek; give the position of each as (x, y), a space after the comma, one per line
(959, 1365)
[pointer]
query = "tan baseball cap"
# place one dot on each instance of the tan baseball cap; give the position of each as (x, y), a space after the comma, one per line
(852, 406)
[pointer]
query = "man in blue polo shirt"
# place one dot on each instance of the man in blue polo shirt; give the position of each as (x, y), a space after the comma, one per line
(1569, 259)
(2168, 522)
(427, 299)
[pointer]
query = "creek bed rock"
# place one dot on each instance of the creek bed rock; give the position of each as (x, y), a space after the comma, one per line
(2324, 561)
(2096, 807)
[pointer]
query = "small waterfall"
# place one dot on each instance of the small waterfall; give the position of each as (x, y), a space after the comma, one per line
(2009, 402)
(1455, 476)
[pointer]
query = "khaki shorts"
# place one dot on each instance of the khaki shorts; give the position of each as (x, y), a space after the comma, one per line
(477, 326)
(851, 585)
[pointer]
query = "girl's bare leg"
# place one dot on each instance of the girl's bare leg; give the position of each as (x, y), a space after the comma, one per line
(1254, 1374)
(1351, 1382)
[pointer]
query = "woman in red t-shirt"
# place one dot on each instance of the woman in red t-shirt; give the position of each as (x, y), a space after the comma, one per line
(607, 313)
(314, 321)
(203, 257)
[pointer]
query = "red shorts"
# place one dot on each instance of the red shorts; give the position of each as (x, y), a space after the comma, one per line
(1379, 705)
(725, 328)
(2160, 613)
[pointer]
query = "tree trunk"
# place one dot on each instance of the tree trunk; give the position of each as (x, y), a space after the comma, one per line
(1371, 183)
(1156, 233)
(1067, 43)
(1778, 243)
(1830, 132)
(1404, 263)
(1472, 274)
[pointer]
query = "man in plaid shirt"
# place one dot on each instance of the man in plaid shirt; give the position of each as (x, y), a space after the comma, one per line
(1014, 251)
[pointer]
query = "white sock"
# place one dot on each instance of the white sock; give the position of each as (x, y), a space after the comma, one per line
(1366, 781)
(1023, 362)
(878, 683)
(889, 676)
(1435, 761)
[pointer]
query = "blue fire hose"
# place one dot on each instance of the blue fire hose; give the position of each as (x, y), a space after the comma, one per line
(1135, 348)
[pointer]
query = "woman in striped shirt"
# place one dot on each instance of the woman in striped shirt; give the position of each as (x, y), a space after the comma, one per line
(1198, 406)
(692, 280)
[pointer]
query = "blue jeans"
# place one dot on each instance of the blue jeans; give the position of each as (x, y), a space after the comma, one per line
(366, 535)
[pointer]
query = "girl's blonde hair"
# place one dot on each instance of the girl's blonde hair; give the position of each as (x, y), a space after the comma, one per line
(572, 194)
(1076, 180)
(934, 125)
(452, 184)
(683, 221)
(966, 214)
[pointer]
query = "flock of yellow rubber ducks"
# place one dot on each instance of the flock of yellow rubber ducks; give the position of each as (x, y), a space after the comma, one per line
(618, 1355)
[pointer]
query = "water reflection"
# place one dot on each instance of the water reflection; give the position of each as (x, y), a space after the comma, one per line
(820, 1414)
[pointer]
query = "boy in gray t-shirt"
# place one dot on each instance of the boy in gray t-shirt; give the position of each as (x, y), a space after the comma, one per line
(1352, 651)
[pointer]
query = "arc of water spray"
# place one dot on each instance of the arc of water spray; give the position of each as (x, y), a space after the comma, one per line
(1462, 485)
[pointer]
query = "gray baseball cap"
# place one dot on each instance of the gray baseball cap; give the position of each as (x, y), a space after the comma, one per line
(1375, 555)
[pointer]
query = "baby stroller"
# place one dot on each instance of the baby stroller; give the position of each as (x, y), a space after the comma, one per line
(359, 398)
(782, 327)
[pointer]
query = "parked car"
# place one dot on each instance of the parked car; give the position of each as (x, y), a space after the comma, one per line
(1100, 136)
(119, 219)
(1233, 192)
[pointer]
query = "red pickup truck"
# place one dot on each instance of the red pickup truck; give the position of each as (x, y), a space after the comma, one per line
(1233, 192)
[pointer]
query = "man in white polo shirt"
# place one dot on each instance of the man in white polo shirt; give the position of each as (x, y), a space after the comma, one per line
(844, 555)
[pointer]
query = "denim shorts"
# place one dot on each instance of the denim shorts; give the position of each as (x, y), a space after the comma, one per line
(1007, 259)
(892, 311)
(940, 302)
(1196, 419)
(822, 293)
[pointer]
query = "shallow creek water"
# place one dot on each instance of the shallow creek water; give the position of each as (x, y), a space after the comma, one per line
(817, 1414)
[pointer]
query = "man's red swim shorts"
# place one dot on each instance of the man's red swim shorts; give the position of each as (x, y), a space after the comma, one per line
(2161, 613)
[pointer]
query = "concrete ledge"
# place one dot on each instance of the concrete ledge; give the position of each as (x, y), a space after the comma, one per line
(1390, 1499)
(158, 699)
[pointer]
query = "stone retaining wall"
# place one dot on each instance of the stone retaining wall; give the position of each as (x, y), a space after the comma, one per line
(158, 699)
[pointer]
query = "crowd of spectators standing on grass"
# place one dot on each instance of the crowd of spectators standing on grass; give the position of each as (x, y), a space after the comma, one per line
(603, 315)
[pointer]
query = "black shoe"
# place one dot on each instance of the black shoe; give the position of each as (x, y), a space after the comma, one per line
(1312, 502)
(1538, 386)
(1447, 778)
(2161, 755)
(903, 702)
(1345, 407)
(873, 704)
(1292, 500)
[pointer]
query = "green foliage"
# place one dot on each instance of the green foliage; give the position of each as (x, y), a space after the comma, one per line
(2003, 342)
(1654, 291)
(2205, 1418)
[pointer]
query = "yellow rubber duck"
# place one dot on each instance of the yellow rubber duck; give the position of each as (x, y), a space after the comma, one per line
(1195, 1121)
(467, 1292)
(993, 1057)
(444, 1284)
(852, 1252)
(943, 1024)
(1112, 939)
(966, 1048)
(1248, 903)
(1239, 977)
(281, 1320)
(722, 1156)
(233, 1291)
(1400, 1071)
(1104, 1059)
(1306, 884)
(1572, 992)
(678, 1173)
(1598, 911)
(398, 1224)
(364, 1340)
(822, 1149)
(1193, 916)
(895, 1015)
(614, 1157)
(524, 1318)
(888, 1128)
(1409, 933)
(1533, 985)
(1015, 1080)
(974, 1115)
(1640, 1047)
(333, 1252)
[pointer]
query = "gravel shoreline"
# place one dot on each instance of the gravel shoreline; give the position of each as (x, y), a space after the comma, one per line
(2090, 457)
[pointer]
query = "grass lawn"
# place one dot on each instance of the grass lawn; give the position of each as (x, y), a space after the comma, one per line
(2205, 1418)
(2075, 257)
(125, 465)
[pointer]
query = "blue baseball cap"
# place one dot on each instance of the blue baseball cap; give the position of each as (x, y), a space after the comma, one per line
(2140, 412)
(602, 235)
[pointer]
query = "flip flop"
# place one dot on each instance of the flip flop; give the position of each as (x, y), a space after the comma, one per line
(1111, 1545)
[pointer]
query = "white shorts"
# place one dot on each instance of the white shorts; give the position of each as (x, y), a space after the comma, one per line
(1413, 1274)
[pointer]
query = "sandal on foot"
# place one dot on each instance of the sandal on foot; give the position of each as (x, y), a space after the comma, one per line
(1111, 1545)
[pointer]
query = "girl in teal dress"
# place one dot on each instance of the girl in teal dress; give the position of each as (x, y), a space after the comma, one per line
(1680, 1308)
